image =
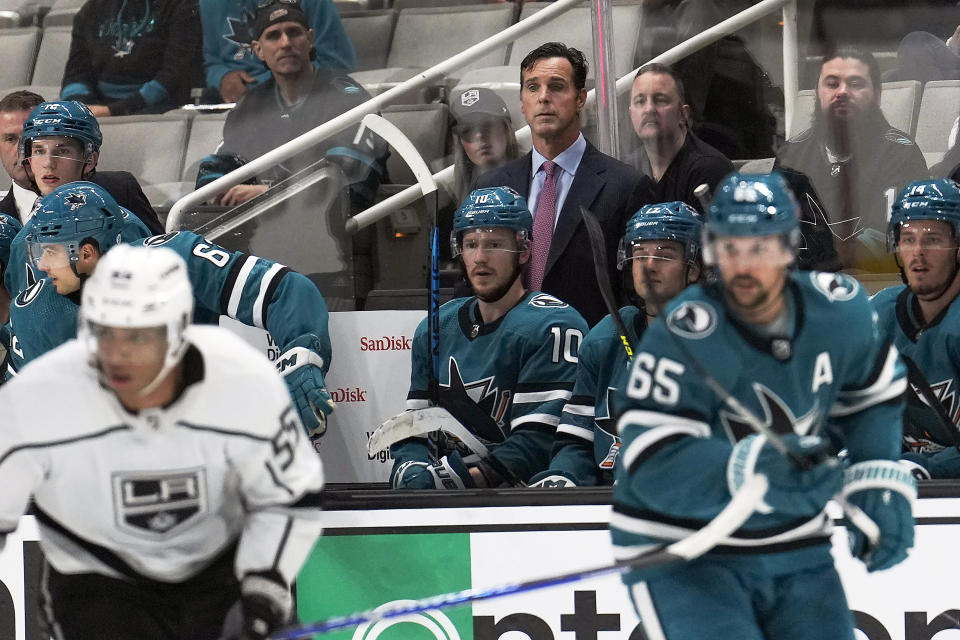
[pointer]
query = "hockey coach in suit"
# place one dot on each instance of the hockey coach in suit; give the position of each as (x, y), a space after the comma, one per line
(562, 172)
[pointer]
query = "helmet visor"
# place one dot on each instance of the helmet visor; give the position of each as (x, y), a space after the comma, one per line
(645, 249)
(473, 241)
(47, 256)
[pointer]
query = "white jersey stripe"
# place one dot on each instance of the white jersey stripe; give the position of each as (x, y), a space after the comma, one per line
(541, 396)
(545, 418)
(574, 430)
(579, 409)
(265, 282)
(656, 419)
(238, 286)
(646, 611)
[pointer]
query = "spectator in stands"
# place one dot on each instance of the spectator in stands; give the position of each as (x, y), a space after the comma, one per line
(295, 99)
(670, 155)
(14, 109)
(562, 173)
(136, 57)
(855, 160)
(231, 65)
(483, 139)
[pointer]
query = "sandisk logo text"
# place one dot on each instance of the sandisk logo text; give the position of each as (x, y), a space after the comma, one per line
(386, 343)
(356, 394)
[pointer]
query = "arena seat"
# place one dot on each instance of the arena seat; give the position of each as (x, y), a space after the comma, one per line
(400, 5)
(427, 126)
(62, 13)
(150, 147)
(206, 133)
(416, 46)
(370, 32)
(18, 50)
(52, 57)
(939, 107)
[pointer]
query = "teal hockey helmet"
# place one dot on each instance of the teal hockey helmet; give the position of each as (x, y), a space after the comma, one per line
(69, 216)
(747, 204)
(492, 207)
(931, 199)
(676, 221)
(68, 118)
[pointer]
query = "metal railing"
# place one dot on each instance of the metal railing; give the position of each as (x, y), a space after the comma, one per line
(445, 176)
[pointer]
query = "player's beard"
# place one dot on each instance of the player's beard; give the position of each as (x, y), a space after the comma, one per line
(501, 290)
(934, 290)
(762, 299)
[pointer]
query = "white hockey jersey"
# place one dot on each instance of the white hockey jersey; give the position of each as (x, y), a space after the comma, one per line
(161, 494)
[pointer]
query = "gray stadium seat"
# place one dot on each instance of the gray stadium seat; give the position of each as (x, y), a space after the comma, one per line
(939, 107)
(206, 133)
(400, 5)
(370, 32)
(427, 127)
(425, 37)
(149, 147)
(52, 57)
(899, 101)
(18, 50)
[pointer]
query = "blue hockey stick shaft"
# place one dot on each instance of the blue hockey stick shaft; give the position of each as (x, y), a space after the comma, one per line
(433, 315)
(740, 507)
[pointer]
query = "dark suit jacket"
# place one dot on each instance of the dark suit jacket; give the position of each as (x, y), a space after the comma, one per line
(610, 189)
(121, 185)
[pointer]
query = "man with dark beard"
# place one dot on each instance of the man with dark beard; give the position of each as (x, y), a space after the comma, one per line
(855, 160)
(507, 359)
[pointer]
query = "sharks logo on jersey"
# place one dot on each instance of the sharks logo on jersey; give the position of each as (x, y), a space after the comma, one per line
(29, 294)
(484, 394)
(546, 301)
(777, 417)
(836, 286)
(945, 392)
(155, 504)
(693, 320)
(158, 241)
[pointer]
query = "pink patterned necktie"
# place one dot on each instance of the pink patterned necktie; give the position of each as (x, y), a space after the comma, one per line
(543, 225)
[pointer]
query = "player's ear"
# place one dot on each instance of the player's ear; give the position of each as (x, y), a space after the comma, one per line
(694, 271)
(87, 257)
(685, 111)
(90, 164)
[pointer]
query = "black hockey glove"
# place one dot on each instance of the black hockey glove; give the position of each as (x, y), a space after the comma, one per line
(266, 605)
(302, 368)
(885, 491)
(792, 491)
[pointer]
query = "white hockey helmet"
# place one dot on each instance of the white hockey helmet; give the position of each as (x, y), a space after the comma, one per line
(139, 287)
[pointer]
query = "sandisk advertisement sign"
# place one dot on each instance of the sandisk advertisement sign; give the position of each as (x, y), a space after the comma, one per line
(368, 380)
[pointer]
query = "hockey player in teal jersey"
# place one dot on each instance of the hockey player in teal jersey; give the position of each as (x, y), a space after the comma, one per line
(662, 247)
(799, 351)
(508, 357)
(921, 319)
(78, 222)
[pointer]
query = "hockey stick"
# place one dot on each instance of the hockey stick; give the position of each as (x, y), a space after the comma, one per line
(740, 507)
(597, 244)
(918, 382)
(420, 422)
(433, 315)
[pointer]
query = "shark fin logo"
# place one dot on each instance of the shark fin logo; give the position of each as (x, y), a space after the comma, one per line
(433, 621)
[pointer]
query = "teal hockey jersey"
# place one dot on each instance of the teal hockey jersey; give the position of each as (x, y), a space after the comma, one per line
(255, 291)
(935, 349)
(587, 441)
(832, 375)
(519, 370)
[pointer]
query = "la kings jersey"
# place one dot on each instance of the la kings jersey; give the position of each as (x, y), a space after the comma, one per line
(832, 375)
(935, 349)
(587, 441)
(161, 493)
(255, 291)
(519, 370)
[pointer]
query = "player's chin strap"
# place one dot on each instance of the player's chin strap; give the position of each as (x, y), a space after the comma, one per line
(737, 511)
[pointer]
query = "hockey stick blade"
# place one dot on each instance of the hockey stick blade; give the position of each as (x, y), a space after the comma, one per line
(420, 422)
(599, 248)
(741, 506)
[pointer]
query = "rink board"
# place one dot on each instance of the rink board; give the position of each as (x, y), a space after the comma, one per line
(373, 556)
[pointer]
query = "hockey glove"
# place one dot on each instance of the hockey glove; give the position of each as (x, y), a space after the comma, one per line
(302, 369)
(552, 479)
(792, 491)
(266, 605)
(885, 490)
(449, 472)
(944, 464)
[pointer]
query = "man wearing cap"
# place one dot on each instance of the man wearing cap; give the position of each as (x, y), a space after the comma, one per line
(230, 64)
(295, 99)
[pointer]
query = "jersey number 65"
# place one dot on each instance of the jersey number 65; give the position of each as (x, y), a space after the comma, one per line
(650, 375)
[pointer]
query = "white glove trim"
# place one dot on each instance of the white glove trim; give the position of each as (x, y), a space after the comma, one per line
(880, 474)
(292, 359)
